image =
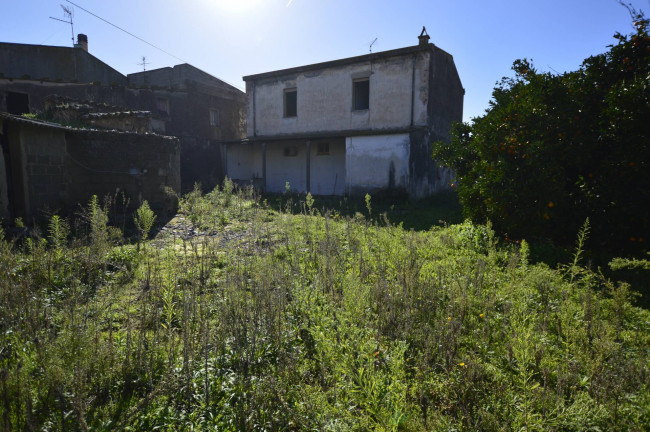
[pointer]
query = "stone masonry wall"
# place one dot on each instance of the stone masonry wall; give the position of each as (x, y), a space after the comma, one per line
(139, 165)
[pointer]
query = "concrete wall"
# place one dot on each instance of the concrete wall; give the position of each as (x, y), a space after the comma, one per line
(327, 172)
(55, 64)
(371, 162)
(281, 168)
(244, 162)
(181, 76)
(4, 189)
(324, 97)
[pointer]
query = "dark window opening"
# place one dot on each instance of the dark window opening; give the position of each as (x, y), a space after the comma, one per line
(214, 117)
(361, 94)
(290, 151)
(323, 149)
(290, 103)
(162, 105)
(17, 103)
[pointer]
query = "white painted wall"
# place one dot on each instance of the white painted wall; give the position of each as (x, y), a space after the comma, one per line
(324, 98)
(281, 169)
(244, 162)
(368, 159)
(328, 171)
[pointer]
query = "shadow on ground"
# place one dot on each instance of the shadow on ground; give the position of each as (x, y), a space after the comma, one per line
(442, 208)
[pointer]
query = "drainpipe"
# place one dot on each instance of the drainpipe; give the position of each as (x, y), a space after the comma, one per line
(254, 112)
(308, 145)
(264, 166)
(412, 88)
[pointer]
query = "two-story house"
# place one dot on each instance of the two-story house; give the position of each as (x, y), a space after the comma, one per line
(352, 125)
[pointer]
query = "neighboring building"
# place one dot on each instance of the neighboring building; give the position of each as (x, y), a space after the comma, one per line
(184, 101)
(46, 166)
(352, 125)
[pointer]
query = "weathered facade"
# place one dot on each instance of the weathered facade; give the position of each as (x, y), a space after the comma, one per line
(351, 125)
(184, 101)
(45, 166)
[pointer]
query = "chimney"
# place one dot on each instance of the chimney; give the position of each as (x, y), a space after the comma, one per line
(82, 42)
(424, 37)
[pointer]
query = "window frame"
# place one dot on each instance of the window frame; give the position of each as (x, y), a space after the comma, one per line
(214, 117)
(355, 83)
(285, 110)
(323, 148)
(160, 101)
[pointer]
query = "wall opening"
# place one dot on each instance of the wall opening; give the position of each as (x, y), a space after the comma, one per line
(17, 103)
(361, 94)
(290, 102)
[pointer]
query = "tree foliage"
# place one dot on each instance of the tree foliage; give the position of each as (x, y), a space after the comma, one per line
(554, 149)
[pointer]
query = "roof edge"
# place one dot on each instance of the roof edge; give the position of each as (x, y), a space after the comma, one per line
(342, 62)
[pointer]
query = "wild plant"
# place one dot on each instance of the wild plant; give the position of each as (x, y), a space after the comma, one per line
(144, 219)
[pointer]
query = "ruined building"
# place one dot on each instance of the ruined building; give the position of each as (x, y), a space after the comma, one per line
(185, 102)
(351, 125)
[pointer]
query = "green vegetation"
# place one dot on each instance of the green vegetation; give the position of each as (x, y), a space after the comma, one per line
(553, 150)
(241, 317)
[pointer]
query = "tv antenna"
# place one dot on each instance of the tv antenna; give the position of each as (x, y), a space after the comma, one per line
(69, 13)
(371, 44)
(144, 63)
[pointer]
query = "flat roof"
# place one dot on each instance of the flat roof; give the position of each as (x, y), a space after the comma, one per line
(345, 61)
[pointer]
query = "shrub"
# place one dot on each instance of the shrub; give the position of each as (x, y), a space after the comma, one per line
(553, 150)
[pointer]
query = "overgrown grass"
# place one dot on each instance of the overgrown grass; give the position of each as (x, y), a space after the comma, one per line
(310, 319)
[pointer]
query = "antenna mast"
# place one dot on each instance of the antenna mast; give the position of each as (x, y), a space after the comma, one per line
(144, 63)
(69, 13)
(371, 44)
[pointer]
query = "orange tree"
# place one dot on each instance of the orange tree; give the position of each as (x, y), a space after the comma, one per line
(552, 150)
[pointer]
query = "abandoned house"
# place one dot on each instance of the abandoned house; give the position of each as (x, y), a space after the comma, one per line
(183, 101)
(352, 125)
(46, 166)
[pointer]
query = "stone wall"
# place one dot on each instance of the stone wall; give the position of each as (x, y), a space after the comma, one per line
(188, 117)
(106, 163)
(53, 168)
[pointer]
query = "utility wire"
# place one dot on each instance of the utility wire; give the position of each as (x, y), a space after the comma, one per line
(129, 33)
(142, 40)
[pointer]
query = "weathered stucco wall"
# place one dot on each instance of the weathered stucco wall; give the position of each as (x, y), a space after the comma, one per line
(324, 97)
(281, 168)
(244, 162)
(377, 162)
(327, 172)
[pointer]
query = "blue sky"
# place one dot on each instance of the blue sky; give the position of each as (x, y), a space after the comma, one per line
(233, 38)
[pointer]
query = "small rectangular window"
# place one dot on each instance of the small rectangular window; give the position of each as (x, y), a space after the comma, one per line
(214, 117)
(162, 104)
(361, 94)
(290, 102)
(290, 151)
(323, 149)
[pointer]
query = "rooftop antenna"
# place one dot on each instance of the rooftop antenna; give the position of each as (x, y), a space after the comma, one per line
(371, 44)
(144, 63)
(69, 13)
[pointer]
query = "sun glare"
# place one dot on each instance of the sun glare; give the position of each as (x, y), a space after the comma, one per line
(237, 6)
